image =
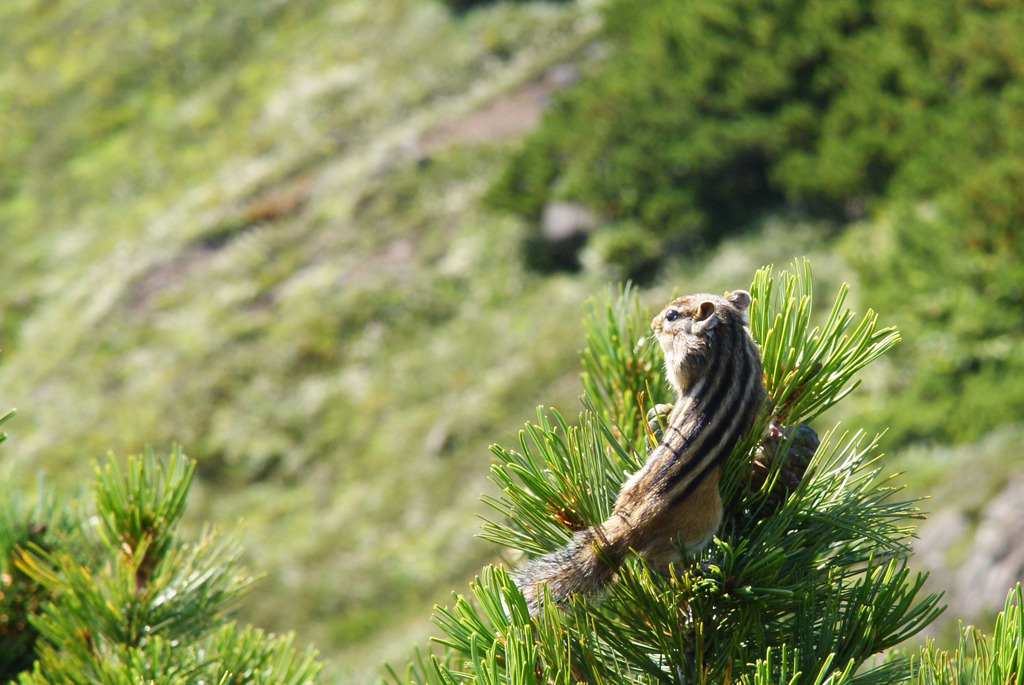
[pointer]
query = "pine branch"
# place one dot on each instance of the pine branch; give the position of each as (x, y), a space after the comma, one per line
(810, 562)
(4, 419)
(620, 371)
(131, 603)
(42, 520)
(142, 506)
(564, 479)
(809, 369)
(978, 659)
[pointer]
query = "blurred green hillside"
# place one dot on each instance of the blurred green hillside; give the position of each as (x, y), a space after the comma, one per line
(299, 239)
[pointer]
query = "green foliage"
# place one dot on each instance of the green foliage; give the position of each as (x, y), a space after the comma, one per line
(464, 5)
(805, 592)
(617, 378)
(977, 659)
(76, 110)
(252, 230)
(629, 248)
(120, 597)
(44, 523)
(708, 112)
(952, 272)
(808, 370)
(150, 288)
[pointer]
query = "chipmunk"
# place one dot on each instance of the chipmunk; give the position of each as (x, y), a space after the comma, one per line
(714, 365)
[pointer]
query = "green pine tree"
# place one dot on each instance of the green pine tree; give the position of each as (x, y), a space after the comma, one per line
(807, 581)
(114, 594)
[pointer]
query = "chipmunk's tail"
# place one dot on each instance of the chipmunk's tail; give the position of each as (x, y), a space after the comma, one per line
(583, 566)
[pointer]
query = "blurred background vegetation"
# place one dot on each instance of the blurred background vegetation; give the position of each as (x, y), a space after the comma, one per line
(336, 249)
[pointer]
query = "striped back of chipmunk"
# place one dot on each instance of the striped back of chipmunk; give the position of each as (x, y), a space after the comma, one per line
(718, 401)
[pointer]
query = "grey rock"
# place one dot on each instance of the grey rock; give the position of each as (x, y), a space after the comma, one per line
(995, 563)
(562, 75)
(564, 221)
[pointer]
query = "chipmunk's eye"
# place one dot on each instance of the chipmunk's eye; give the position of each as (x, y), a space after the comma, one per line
(672, 315)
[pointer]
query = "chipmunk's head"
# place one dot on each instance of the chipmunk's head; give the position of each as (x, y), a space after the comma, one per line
(693, 329)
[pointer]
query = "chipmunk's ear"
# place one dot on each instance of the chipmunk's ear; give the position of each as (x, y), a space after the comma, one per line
(705, 318)
(741, 300)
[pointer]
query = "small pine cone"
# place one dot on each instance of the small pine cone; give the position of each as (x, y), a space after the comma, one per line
(794, 464)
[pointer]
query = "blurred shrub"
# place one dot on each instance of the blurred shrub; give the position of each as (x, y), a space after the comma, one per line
(459, 6)
(464, 5)
(951, 272)
(710, 111)
(628, 248)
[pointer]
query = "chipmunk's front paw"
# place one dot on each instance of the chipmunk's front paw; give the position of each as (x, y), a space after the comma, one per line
(657, 417)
